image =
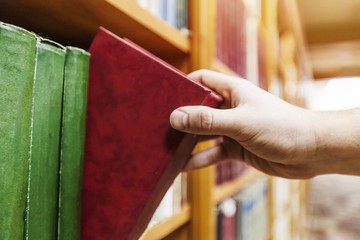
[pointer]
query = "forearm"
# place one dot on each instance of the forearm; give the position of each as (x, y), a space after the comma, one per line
(337, 139)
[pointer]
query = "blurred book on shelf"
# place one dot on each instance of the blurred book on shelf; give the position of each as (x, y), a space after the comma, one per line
(230, 35)
(229, 171)
(173, 12)
(245, 215)
(252, 210)
(238, 44)
(172, 201)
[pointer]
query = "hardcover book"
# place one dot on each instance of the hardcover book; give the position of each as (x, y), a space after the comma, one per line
(41, 215)
(76, 74)
(132, 155)
(17, 64)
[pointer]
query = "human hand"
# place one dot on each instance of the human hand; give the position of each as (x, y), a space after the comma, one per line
(260, 129)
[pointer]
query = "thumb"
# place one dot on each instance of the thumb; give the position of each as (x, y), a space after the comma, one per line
(203, 120)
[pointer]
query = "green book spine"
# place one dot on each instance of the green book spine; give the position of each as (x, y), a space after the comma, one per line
(72, 142)
(42, 210)
(17, 61)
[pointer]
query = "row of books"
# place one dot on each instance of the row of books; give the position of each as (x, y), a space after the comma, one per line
(56, 181)
(174, 12)
(231, 41)
(238, 41)
(43, 107)
(245, 215)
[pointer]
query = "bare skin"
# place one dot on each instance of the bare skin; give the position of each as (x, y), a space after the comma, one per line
(271, 135)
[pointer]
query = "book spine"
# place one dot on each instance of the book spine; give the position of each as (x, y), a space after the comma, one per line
(163, 10)
(252, 211)
(72, 142)
(181, 14)
(227, 220)
(17, 61)
(41, 215)
(171, 12)
(231, 40)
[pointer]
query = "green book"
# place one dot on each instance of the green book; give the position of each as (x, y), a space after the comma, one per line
(41, 217)
(72, 142)
(17, 61)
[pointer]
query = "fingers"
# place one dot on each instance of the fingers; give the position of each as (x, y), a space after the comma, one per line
(220, 83)
(203, 120)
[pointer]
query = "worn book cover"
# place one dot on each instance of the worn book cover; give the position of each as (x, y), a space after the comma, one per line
(17, 64)
(132, 155)
(76, 74)
(42, 195)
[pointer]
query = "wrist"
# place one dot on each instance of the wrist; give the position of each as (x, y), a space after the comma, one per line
(337, 141)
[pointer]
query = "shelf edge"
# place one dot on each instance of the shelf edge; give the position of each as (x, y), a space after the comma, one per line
(166, 227)
(152, 23)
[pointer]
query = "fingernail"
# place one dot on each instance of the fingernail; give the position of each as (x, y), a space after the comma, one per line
(179, 119)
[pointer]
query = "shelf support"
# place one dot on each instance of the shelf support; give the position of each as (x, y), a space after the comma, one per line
(201, 182)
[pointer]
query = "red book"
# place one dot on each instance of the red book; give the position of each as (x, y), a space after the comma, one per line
(132, 155)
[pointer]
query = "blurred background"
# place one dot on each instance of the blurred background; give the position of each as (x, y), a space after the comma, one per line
(332, 35)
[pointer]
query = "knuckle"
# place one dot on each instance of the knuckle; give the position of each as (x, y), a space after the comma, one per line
(206, 120)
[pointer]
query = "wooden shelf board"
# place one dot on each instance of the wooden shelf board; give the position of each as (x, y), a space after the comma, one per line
(166, 227)
(76, 22)
(228, 189)
(153, 24)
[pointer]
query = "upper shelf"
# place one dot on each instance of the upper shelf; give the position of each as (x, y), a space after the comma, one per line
(76, 22)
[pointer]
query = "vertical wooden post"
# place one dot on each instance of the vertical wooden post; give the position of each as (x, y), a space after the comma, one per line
(201, 182)
(270, 23)
(202, 23)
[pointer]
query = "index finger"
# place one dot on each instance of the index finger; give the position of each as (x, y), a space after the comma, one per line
(220, 83)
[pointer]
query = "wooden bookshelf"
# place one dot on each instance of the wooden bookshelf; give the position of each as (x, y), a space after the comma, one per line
(76, 22)
(287, 62)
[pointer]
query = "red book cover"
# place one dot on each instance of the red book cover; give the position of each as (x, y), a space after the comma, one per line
(132, 155)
